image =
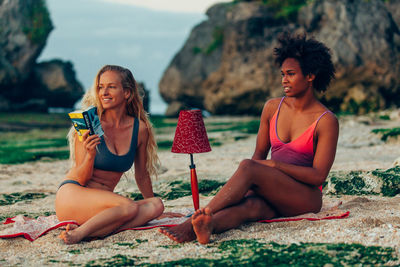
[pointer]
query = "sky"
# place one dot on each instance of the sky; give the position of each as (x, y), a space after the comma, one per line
(181, 6)
(142, 35)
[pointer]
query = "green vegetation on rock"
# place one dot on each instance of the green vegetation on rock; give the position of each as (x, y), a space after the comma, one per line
(39, 25)
(382, 182)
(362, 107)
(351, 183)
(283, 9)
(287, 9)
(390, 181)
(218, 39)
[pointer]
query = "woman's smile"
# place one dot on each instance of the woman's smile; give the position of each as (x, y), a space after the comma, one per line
(110, 90)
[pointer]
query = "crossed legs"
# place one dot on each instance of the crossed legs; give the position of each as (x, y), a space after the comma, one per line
(275, 193)
(100, 212)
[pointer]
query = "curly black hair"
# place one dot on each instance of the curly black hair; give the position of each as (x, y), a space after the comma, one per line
(313, 56)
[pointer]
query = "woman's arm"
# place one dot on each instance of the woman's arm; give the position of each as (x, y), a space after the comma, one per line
(142, 176)
(85, 153)
(263, 144)
(327, 134)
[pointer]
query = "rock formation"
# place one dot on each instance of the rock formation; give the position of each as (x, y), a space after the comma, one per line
(24, 84)
(55, 81)
(227, 65)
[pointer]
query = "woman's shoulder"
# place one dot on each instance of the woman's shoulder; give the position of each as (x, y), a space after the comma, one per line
(326, 114)
(143, 128)
(328, 120)
(271, 106)
(274, 101)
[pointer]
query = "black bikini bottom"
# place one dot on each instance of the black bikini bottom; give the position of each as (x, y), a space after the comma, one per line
(69, 182)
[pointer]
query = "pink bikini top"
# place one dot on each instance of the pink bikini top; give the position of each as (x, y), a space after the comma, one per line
(299, 151)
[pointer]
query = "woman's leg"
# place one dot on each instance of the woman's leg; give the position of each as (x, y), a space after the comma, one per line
(98, 212)
(202, 224)
(249, 210)
(288, 196)
(282, 193)
(149, 209)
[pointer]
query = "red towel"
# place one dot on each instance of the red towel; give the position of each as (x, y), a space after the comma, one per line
(31, 229)
(310, 217)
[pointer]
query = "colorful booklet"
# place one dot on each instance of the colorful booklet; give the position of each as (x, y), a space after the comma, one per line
(86, 120)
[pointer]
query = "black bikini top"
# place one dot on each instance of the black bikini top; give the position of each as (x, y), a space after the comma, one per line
(107, 161)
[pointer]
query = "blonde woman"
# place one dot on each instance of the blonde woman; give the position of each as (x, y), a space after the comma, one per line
(86, 195)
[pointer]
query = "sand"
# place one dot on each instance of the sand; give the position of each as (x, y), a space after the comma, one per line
(373, 220)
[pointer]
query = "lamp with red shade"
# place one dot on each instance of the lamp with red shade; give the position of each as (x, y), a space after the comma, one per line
(191, 137)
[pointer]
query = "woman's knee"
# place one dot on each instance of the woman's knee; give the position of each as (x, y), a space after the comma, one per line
(158, 206)
(255, 208)
(128, 210)
(246, 168)
(246, 165)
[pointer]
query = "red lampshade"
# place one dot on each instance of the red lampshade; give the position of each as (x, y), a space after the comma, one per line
(190, 135)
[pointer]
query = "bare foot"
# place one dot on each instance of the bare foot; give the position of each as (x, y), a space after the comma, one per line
(70, 235)
(202, 225)
(180, 233)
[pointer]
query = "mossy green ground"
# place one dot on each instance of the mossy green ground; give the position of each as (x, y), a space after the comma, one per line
(33, 136)
(45, 132)
(28, 137)
(178, 189)
(245, 252)
(387, 134)
(377, 182)
(9, 199)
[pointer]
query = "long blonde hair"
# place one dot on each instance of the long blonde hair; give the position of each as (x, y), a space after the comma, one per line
(134, 108)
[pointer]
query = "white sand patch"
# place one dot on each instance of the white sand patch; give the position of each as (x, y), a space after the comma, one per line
(373, 220)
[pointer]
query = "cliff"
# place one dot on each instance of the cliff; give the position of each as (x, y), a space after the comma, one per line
(25, 84)
(226, 65)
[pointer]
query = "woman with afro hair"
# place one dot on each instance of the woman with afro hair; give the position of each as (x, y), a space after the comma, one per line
(301, 134)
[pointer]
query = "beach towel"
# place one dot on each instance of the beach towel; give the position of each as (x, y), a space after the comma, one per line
(32, 229)
(327, 212)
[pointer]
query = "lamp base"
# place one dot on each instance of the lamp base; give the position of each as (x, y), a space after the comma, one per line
(195, 188)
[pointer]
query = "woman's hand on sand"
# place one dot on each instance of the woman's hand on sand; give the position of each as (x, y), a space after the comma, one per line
(170, 215)
(90, 142)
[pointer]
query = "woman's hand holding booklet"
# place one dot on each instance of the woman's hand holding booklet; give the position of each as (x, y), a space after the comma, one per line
(86, 120)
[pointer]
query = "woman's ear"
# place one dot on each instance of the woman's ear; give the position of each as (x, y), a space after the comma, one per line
(310, 77)
(127, 94)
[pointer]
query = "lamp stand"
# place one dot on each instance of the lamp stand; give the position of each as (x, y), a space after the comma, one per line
(194, 184)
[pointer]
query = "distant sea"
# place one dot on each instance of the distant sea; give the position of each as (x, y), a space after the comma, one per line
(93, 33)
